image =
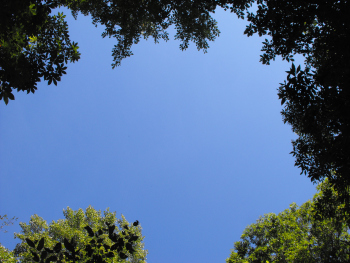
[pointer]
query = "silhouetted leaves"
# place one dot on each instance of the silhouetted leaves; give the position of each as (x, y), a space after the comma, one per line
(99, 247)
(41, 244)
(44, 254)
(35, 256)
(122, 255)
(129, 247)
(57, 248)
(48, 250)
(51, 259)
(69, 245)
(30, 243)
(38, 47)
(133, 238)
(111, 229)
(89, 230)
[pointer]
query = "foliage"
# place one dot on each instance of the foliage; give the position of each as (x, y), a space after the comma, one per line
(316, 99)
(35, 44)
(5, 221)
(81, 236)
(294, 235)
(6, 256)
(331, 204)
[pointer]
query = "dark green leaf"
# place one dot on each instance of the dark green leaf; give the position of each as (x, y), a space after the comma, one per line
(111, 229)
(89, 230)
(133, 238)
(44, 254)
(35, 256)
(68, 245)
(48, 250)
(51, 259)
(30, 243)
(41, 244)
(57, 248)
(122, 255)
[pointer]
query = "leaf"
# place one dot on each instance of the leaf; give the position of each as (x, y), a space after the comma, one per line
(68, 245)
(89, 230)
(48, 250)
(283, 100)
(129, 248)
(44, 254)
(133, 238)
(57, 248)
(115, 246)
(89, 250)
(107, 247)
(122, 255)
(51, 259)
(111, 229)
(30, 243)
(35, 256)
(41, 244)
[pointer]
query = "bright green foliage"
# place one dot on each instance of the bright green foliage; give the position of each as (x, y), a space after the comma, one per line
(35, 44)
(6, 256)
(294, 235)
(73, 229)
(331, 204)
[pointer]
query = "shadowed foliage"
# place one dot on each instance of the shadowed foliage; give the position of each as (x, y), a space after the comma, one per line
(82, 236)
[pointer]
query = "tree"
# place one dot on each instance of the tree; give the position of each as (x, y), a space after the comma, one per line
(81, 237)
(316, 99)
(294, 235)
(6, 256)
(35, 44)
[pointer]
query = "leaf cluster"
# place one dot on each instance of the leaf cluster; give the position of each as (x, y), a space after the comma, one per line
(316, 99)
(82, 237)
(297, 234)
(35, 45)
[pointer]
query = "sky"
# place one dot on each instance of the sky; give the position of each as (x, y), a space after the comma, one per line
(190, 144)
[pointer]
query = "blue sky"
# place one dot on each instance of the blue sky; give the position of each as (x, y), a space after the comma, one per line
(190, 144)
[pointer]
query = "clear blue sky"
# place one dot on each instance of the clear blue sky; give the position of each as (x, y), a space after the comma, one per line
(190, 144)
